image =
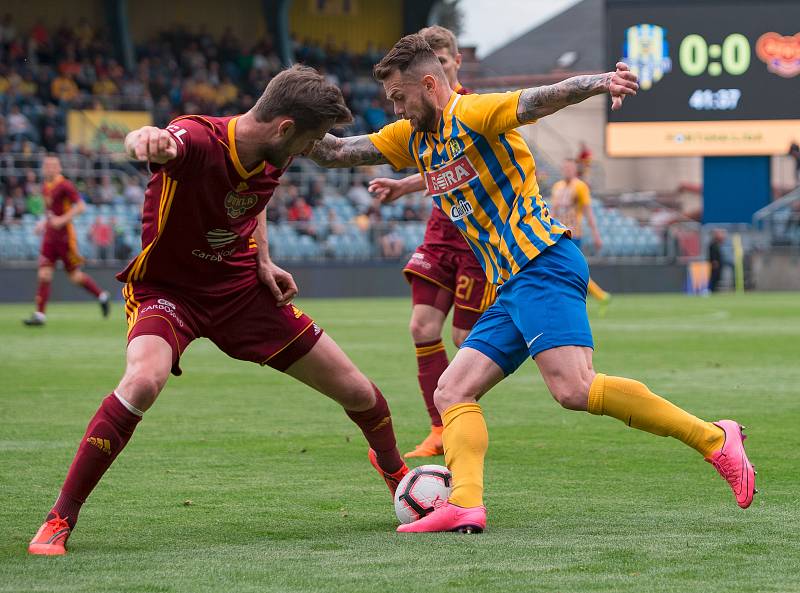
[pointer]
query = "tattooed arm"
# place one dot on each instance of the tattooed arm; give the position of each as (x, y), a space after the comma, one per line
(545, 100)
(346, 152)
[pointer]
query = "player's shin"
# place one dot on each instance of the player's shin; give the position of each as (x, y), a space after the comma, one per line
(431, 363)
(466, 440)
(376, 424)
(89, 285)
(633, 403)
(42, 295)
(107, 434)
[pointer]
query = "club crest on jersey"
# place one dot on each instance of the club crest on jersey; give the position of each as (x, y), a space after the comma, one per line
(454, 147)
(238, 204)
(450, 177)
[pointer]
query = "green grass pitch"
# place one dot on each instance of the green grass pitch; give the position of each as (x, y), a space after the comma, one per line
(241, 480)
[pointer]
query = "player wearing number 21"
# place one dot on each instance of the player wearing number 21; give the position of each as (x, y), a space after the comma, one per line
(480, 171)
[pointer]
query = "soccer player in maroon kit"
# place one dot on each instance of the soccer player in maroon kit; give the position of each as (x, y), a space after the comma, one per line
(63, 203)
(443, 271)
(205, 271)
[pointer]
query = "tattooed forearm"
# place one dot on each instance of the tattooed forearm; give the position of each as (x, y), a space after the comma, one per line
(346, 152)
(540, 101)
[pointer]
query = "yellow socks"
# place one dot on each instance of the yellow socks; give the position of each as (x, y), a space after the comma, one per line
(638, 407)
(597, 292)
(465, 442)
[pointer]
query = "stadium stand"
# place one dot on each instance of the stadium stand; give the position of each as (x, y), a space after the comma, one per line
(45, 73)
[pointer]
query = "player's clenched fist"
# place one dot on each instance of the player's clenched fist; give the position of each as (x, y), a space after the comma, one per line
(622, 82)
(385, 189)
(151, 144)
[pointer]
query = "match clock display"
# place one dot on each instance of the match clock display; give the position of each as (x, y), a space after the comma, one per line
(716, 77)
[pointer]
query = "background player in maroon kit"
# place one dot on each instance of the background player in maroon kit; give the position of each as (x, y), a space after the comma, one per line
(205, 271)
(443, 271)
(63, 203)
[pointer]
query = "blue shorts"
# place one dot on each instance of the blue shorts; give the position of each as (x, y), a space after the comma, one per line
(543, 306)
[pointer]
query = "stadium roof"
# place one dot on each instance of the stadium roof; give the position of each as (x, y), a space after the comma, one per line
(573, 41)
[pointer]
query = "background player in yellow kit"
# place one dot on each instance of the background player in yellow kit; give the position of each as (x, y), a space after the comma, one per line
(571, 201)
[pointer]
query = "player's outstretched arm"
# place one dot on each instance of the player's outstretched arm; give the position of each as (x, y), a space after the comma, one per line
(151, 144)
(388, 190)
(538, 102)
(333, 152)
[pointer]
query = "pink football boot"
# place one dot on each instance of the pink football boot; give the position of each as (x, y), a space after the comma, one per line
(449, 517)
(732, 464)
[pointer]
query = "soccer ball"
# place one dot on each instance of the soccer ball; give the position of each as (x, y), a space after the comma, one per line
(423, 490)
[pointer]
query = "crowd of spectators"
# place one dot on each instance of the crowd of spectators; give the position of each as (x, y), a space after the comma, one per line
(45, 71)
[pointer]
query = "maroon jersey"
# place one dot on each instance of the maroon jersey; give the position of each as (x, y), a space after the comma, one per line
(200, 211)
(60, 196)
(440, 230)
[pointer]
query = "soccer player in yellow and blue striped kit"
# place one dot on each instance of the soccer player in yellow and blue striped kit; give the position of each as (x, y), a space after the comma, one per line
(481, 173)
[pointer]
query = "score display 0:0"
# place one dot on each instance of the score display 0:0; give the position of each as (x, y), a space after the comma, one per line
(734, 53)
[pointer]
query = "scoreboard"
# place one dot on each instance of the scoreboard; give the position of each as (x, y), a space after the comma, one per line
(716, 77)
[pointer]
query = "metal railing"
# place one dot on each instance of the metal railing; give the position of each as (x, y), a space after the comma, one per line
(781, 220)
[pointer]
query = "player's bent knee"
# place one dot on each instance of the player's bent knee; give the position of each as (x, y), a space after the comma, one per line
(424, 330)
(447, 394)
(45, 274)
(76, 277)
(141, 388)
(572, 394)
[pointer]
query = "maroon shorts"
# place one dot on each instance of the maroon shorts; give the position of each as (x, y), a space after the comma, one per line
(64, 248)
(442, 276)
(245, 324)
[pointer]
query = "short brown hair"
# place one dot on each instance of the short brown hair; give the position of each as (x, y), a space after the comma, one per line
(409, 52)
(439, 37)
(304, 95)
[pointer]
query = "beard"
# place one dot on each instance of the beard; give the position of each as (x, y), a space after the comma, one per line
(427, 120)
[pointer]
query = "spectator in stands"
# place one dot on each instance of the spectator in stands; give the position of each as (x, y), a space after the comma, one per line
(104, 87)
(358, 194)
(300, 214)
(64, 89)
(375, 116)
(19, 126)
(316, 191)
(335, 226)
(716, 259)
(133, 191)
(392, 246)
(106, 192)
(8, 31)
(794, 152)
(410, 214)
(102, 237)
(4, 139)
(34, 201)
(583, 160)
(122, 250)
(9, 213)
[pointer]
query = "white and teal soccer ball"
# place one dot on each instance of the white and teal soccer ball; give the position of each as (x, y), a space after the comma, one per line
(423, 490)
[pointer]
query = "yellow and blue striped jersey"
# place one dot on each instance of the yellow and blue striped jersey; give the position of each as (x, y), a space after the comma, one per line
(481, 173)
